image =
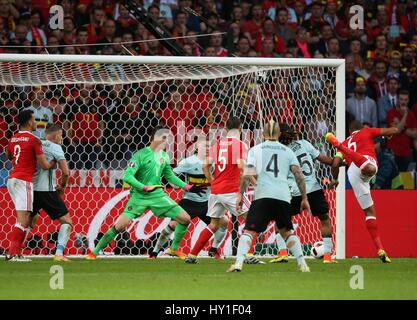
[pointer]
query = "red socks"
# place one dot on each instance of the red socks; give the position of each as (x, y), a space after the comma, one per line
(372, 227)
(357, 158)
(204, 236)
(16, 239)
(253, 244)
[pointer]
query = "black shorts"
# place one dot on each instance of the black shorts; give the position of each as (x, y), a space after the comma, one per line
(51, 202)
(195, 209)
(264, 210)
(317, 200)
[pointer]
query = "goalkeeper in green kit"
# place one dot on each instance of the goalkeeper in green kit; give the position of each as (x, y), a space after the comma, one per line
(143, 174)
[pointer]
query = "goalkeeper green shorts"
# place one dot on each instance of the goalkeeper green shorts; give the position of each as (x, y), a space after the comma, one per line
(163, 207)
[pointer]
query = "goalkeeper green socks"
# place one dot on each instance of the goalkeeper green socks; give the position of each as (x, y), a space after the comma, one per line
(179, 233)
(105, 240)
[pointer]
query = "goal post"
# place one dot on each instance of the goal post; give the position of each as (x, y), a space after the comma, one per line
(109, 104)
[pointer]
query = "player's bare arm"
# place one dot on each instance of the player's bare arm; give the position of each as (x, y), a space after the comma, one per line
(63, 166)
(387, 132)
(207, 169)
(44, 163)
(336, 164)
(299, 179)
(247, 178)
(325, 159)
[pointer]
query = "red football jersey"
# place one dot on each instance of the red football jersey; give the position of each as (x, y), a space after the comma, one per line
(24, 147)
(225, 155)
(362, 141)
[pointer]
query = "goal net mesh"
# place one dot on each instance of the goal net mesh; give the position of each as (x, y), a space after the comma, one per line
(108, 112)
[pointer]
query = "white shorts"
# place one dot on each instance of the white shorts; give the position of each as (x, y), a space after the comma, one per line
(219, 204)
(360, 183)
(21, 193)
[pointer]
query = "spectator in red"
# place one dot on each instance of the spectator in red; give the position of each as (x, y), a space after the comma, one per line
(243, 47)
(355, 48)
(377, 83)
(69, 32)
(254, 26)
(268, 32)
(406, 122)
(95, 27)
(316, 21)
(342, 26)
(216, 42)
(191, 40)
(177, 111)
(284, 29)
(381, 28)
(267, 50)
(381, 48)
(302, 36)
(125, 23)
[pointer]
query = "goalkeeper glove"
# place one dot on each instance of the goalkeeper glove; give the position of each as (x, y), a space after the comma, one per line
(195, 189)
(152, 188)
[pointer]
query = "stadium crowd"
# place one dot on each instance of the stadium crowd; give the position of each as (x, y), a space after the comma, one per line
(381, 70)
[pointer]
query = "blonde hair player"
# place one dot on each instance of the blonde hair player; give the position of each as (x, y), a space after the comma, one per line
(271, 162)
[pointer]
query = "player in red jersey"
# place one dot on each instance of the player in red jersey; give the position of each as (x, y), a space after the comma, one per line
(25, 151)
(359, 153)
(228, 157)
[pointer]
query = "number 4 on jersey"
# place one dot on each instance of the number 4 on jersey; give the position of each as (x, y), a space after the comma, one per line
(273, 165)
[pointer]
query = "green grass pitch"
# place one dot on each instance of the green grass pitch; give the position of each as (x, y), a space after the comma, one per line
(172, 279)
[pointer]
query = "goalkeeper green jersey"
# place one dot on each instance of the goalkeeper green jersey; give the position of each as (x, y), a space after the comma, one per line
(145, 168)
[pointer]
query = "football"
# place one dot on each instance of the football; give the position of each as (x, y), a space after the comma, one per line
(317, 250)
